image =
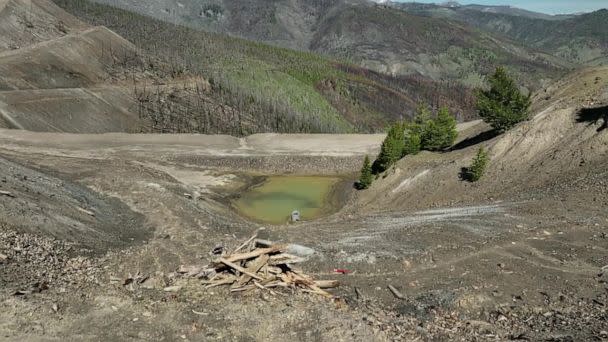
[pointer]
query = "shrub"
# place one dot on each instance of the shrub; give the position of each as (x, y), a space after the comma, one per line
(478, 167)
(366, 178)
(503, 105)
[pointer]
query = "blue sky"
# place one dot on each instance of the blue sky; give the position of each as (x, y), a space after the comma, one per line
(545, 6)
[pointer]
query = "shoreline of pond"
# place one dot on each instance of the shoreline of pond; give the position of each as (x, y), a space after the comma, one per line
(332, 201)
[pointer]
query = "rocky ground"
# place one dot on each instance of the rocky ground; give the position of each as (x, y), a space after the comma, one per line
(95, 227)
(524, 265)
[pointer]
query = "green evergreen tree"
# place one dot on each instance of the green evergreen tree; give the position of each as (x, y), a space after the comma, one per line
(412, 144)
(423, 115)
(421, 120)
(503, 105)
(479, 165)
(392, 148)
(366, 178)
(447, 122)
(440, 133)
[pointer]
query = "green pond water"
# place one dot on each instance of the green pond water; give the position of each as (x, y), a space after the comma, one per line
(275, 199)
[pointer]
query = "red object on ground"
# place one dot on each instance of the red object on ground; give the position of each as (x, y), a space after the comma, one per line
(342, 270)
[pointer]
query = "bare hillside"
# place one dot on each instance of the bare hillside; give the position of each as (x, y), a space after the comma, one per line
(26, 22)
(94, 110)
(76, 60)
(58, 74)
(563, 141)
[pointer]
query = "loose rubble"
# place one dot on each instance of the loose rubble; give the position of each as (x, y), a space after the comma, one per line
(33, 264)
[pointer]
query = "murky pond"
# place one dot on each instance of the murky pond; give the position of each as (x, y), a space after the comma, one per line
(273, 200)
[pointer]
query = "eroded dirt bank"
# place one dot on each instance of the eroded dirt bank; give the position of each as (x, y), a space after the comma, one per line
(65, 292)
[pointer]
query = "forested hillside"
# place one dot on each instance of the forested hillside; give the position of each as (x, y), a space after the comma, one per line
(267, 88)
(377, 36)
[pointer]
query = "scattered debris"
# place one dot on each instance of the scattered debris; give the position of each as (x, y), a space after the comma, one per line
(260, 264)
(7, 194)
(217, 250)
(342, 271)
(200, 313)
(358, 293)
(298, 250)
(172, 288)
(396, 292)
(295, 216)
(132, 282)
(88, 212)
(30, 263)
(35, 288)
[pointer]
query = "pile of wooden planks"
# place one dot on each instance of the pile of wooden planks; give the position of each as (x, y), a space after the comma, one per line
(259, 265)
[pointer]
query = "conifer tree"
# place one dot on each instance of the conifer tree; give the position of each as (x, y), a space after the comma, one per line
(421, 120)
(412, 144)
(366, 178)
(503, 105)
(440, 133)
(392, 148)
(479, 165)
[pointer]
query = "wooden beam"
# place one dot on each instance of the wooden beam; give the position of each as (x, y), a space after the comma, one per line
(254, 254)
(255, 266)
(239, 268)
(396, 292)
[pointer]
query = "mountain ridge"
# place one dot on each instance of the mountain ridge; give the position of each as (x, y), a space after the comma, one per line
(578, 39)
(377, 36)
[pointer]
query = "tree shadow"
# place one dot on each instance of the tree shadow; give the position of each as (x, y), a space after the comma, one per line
(479, 138)
(593, 115)
(465, 175)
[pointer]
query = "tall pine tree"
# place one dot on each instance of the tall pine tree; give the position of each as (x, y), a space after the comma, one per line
(503, 105)
(392, 148)
(366, 178)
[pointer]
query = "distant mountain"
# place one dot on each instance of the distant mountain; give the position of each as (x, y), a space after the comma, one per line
(376, 36)
(579, 39)
(453, 5)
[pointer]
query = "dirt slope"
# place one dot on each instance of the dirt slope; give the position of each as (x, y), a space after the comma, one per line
(46, 205)
(26, 22)
(520, 255)
(76, 60)
(557, 143)
(58, 74)
(93, 110)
